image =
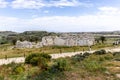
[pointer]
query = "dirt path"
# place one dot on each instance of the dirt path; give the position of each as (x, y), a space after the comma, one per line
(54, 56)
(10, 60)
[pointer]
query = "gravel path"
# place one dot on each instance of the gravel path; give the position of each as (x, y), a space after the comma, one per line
(54, 56)
(10, 60)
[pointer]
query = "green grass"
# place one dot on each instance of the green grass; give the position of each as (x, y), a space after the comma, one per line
(7, 50)
(93, 67)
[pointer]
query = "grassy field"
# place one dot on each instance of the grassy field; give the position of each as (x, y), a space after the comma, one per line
(12, 52)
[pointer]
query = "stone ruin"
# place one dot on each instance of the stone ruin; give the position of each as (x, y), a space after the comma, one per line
(27, 44)
(66, 40)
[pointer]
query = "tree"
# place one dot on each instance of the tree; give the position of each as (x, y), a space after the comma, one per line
(102, 38)
(97, 40)
(21, 38)
(14, 41)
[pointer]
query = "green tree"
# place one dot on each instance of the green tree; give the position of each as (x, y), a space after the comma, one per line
(14, 41)
(103, 39)
(97, 40)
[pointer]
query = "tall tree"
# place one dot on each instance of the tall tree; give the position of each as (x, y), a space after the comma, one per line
(103, 39)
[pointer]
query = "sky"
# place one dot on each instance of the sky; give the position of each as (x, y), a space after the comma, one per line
(60, 15)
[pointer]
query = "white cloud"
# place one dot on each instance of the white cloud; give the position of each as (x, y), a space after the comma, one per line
(36, 4)
(106, 19)
(62, 23)
(3, 3)
(63, 3)
(29, 4)
(109, 10)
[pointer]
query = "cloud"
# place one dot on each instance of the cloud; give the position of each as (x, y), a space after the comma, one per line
(36, 4)
(3, 3)
(29, 4)
(109, 10)
(107, 18)
(64, 3)
(62, 23)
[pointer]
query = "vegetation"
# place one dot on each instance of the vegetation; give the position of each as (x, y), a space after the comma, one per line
(92, 67)
(102, 38)
(17, 69)
(37, 59)
(9, 51)
(100, 52)
(61, 65)
(87, 67)
(100, 65)
(10, 38)
(32, 36)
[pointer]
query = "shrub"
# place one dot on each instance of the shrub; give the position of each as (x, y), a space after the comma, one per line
(46, 56)
(100, 52)
(18, 69)
(28, 58)
(34, 58)
(34, 61)
(86, 54)
(61, 65)
(78, 57)
(42, 63)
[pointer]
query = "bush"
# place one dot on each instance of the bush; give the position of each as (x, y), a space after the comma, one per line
(61, 65)
(34, 61)
(78, 57)
(86, 54)
(42, 63)
(100, 52)
(34, 58)
(46, 56)
(28, 58)
(18, 69)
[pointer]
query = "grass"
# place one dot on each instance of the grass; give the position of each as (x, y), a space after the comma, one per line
(93, 67)
(11, 52)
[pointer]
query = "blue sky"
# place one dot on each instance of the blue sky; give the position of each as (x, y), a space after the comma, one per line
(60, 15)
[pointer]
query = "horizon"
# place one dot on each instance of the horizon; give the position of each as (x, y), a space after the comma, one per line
(60, 15)
(64, 32)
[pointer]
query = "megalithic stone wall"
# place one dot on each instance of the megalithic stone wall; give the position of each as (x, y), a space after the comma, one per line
(79, 40)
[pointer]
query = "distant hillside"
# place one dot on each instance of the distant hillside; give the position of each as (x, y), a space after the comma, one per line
(32, 36)
(6, 33)
(35, 36)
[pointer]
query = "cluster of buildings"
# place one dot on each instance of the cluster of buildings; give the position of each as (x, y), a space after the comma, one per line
(63, 40)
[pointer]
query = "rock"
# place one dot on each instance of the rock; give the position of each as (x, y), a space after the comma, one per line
(24, 44)
(70, 40)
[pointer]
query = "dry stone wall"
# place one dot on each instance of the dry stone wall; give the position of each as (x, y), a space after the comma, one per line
(79, 40)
